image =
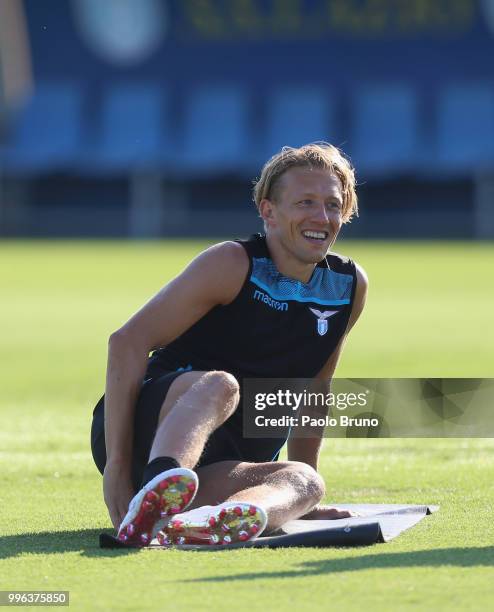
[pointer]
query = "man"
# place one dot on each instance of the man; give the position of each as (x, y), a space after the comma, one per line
(172, 421)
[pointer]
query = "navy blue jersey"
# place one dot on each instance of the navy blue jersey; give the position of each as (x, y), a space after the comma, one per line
(275, 327)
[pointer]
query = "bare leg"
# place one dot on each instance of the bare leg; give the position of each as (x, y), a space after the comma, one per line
(286, 490)
(196, 404)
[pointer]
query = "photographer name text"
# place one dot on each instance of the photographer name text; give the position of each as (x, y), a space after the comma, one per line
(341, 420)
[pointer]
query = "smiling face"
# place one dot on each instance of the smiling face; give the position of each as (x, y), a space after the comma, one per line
(304, 216)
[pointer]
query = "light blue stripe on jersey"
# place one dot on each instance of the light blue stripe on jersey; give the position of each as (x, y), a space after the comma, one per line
(296, 298)
(326, 287)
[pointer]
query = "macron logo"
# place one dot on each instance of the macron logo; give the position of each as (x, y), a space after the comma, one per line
(263, 297)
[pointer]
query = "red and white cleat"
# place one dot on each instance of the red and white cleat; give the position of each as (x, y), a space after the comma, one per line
(211, 525)
(168, 493)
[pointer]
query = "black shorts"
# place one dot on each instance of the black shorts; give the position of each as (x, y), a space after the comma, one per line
(225, 443)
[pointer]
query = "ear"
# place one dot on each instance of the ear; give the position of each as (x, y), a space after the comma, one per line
(266, 210)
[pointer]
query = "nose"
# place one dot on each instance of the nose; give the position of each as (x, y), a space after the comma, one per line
(321, 214)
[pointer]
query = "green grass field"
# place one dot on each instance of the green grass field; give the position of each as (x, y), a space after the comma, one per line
(430, 313)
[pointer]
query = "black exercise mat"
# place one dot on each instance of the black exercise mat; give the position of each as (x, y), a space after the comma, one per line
(375, 523)
(393, 519)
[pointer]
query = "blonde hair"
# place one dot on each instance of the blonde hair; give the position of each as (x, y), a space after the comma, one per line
(314, 155)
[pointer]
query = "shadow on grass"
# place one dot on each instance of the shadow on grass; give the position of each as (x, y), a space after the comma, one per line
(444, 557)
(85, 541)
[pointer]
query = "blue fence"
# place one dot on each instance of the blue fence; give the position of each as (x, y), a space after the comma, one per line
(180, 102)
(222, 128)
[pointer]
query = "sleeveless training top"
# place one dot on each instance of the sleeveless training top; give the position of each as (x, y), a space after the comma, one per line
(275, 327)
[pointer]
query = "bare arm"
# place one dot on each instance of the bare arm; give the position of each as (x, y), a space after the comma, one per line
(214, 277)
(307, 449)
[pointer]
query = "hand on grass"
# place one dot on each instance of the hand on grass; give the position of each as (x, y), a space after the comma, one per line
(117, 491)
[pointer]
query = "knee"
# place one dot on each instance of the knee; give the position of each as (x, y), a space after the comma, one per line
(307, 481)
(224, 389)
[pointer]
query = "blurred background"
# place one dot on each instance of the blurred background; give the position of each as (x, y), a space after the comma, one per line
(150, 118)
